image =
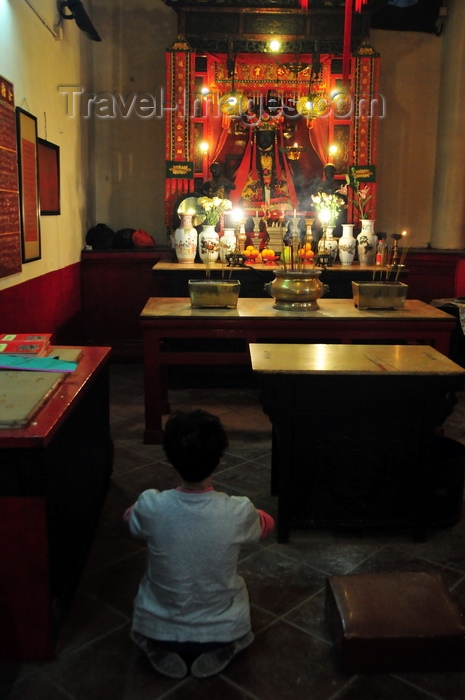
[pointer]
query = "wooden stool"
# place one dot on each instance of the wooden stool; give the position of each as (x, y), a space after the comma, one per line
(394, 622)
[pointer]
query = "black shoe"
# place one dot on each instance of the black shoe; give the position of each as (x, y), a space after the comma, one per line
(212, 662)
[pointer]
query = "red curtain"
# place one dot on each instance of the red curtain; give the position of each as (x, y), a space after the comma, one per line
(318, 136)
(221, 138)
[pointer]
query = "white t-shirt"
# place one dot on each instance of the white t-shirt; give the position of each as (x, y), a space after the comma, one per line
(191, 590)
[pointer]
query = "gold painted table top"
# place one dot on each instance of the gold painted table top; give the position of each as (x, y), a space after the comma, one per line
(317, 358)
(330, 309)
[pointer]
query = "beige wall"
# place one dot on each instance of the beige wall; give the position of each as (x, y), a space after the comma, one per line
(37, 63)
(409, 82)
(130, 150)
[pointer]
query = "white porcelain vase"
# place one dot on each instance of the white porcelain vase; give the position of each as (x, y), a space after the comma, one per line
(227, 244)
(347, 245)
(367, 243)
(185, 240)
(209, 245)
(328, 244)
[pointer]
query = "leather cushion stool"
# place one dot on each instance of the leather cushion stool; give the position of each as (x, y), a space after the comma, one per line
(385, 622)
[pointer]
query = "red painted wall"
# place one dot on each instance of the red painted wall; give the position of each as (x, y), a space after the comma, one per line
(47, 304)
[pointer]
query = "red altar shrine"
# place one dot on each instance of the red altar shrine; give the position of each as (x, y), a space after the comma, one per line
(270, 122)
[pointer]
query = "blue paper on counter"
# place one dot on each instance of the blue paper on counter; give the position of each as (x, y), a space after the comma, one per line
(36, 364)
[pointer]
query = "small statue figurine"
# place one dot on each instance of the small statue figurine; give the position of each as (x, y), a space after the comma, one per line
(217, 186)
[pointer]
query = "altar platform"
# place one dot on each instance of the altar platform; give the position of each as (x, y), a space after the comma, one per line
(171, 278)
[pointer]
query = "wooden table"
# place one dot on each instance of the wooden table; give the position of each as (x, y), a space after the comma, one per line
(171, 278)
(353, 431)
(176, 334)
(54, 477)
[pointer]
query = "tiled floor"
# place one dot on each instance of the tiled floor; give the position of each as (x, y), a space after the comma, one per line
(291, 657)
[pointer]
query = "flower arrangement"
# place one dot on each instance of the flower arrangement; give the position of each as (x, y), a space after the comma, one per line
(361, 196)
(213, 208)
(328, 207)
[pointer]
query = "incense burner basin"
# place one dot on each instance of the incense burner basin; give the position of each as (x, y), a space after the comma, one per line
(216, 294)
(379, 295)
(296, 291)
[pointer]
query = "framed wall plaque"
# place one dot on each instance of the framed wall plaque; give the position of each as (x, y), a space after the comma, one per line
(26, 129)
(48, 159)
(10, 227)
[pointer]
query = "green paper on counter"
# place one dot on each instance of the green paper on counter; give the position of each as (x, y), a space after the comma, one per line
(36, 364)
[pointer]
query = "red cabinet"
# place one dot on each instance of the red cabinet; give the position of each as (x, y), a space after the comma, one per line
(115, 288)
(435, 274)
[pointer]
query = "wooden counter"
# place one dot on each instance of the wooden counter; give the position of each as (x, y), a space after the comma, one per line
(53, 480)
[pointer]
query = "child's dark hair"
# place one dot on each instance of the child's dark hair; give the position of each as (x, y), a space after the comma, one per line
(194, 443)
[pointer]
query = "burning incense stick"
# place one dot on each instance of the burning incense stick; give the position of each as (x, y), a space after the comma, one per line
(401, 263)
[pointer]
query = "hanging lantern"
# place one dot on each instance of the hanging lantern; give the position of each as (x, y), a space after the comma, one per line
(312, 106)
(233, 104)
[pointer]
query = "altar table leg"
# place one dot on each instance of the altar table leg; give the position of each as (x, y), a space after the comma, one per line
(274, 490)
(155, 389)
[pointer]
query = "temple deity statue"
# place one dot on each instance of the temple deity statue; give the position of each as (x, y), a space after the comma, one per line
(218, 185)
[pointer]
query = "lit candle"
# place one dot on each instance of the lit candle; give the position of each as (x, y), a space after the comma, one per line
(294, 213)
(256, 213)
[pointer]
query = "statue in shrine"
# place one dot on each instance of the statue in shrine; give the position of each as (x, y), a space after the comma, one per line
(270, 187)
(330, 185)
(218, 185)
(265, 139)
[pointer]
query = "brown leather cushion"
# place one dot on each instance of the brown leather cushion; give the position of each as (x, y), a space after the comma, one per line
(394, 622)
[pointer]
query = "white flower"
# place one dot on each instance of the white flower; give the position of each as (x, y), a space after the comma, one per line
(213, 208)
(328, 206)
